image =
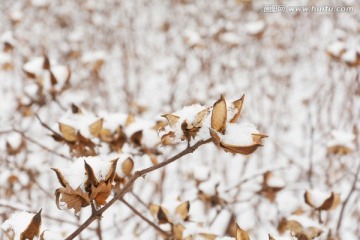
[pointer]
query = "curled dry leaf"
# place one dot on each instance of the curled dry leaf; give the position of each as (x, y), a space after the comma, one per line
(95, 128)
(33, 229)
(112, 171)
(238, 106)
(171, 118)
(168, 138)
(101, 192)
(127, 166)
(219, 115)
(136, 138)
(245, 150)
(60, 177)
(241, 234)
(91, 179)
(200, 118)
(183, 210)
(178, 230)
(74, 199)
(328, 204)
(69, 133)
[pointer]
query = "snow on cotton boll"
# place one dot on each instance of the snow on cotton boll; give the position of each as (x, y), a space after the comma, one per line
(80, 131)
(88, 179)
(227, 134)
(196, 123)
(22, 225)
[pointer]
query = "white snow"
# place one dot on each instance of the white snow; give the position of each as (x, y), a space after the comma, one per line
(318, 197)
(350, 56)
(336, 48)
(230, 38)
(34, 66)
(341, 138)
(14, 139)
(256, 27)
(239, 134)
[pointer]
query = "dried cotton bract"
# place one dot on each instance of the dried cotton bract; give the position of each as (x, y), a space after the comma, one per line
(218, 123)
(89, 179)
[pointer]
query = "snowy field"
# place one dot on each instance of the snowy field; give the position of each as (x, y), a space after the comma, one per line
(265, 102)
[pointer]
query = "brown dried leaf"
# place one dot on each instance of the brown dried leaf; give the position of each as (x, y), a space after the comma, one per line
(257, 137)
(241, 234)
(33, 229)
(53, 79)
(215, 137)
(106, 135)
(162, 215)
(238, 106)
(331, 203)
(294, 226)
(75, 199)
(219, 115)
(130, 119)
(127, 166)
(313, 232)
(75, 109)
(168, 138)
(271, 237)
(200, 118)
(60, 177)
(245, 150)
(95, 128)
(154, 209)
(112, 171)
(183, 210)
(136, 138)
(46, 63)
(69, 133)
(171, 118)
(101, 192)
(178, 230)
(91, 179)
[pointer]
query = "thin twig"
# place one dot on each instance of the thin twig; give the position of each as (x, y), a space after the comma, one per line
(157, 228)
(129, 184)
(352, 190)
(41, 145)
(48, 128)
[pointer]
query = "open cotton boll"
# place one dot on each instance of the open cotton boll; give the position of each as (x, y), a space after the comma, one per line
(318, 197)
(276, 181)
(75, 173)
(225, 238)
(80, 122)
(336, 49)
(14, 139)
(150, 138)
(341, 138)
(255, 27)
(34, 66)
(16, 224)
(239, 134)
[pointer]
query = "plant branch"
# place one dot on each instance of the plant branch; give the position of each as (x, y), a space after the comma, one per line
(157, 228)
(129, 184)
(352, 190)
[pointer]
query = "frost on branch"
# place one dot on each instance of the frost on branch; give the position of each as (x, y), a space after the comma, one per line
(218, 122)
(90, 179)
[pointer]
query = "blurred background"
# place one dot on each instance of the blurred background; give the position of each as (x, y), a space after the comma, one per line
(298, 69)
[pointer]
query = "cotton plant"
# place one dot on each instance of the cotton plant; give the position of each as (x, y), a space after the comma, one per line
(218, 123)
